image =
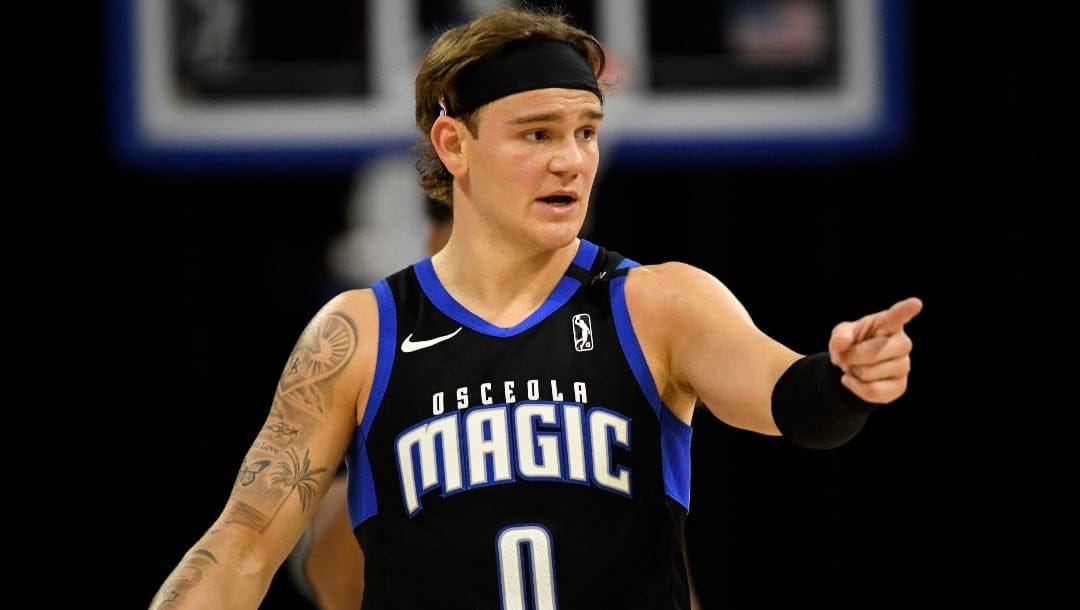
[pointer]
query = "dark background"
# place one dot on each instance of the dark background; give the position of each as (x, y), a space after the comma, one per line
(163, 306)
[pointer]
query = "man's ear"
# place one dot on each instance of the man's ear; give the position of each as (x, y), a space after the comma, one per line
(447, 136)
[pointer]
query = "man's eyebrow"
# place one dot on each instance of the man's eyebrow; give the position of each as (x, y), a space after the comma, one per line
(593, 115)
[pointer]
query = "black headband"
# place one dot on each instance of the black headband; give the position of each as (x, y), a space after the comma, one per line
(536, 63)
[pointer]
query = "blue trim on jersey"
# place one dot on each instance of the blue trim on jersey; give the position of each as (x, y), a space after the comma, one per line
(364, 504)
(384, 360)
(675, 434)
(564, 291)
(586, 254)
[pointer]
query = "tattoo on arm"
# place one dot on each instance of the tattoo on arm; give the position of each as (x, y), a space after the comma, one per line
(274, 471)
(294, 475)
(186, 576)
(319, 354)
(282, 431)
(247, 473)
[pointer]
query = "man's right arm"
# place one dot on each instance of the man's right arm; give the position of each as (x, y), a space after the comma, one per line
(290, 465)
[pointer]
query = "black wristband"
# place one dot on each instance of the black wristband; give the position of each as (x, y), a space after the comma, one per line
(813, 409)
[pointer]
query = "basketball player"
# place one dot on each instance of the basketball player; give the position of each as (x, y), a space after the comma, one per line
(495, 458)
(327, 565)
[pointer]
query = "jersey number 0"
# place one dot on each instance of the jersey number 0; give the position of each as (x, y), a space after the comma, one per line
(524, 556)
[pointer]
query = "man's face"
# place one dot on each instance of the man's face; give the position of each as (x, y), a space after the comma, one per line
(532, 165)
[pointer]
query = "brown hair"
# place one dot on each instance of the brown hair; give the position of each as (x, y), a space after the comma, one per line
(464, 45)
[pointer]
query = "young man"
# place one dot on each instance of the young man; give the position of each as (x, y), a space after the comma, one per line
(327, 565)
(515, 410)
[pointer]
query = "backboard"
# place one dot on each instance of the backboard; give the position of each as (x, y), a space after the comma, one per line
(260, 83)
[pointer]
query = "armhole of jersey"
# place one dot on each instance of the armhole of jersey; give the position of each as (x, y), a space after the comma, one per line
(675, 434)
(384, 361)
(629, 342)
(362, 501)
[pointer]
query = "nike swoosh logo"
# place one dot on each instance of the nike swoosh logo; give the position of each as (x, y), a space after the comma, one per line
(408, 345)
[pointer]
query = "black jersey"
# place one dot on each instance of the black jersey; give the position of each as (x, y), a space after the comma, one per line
(531, 467)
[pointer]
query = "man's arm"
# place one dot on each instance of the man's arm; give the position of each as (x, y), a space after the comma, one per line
(702, 345)
(290, 465)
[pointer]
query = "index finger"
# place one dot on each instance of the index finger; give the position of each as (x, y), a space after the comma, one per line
(890, 321)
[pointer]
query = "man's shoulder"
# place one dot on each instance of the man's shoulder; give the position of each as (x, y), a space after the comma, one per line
(660, 282)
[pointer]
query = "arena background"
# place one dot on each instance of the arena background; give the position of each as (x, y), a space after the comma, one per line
(163, 304)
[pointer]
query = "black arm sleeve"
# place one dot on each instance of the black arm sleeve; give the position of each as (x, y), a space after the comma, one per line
(813, 409)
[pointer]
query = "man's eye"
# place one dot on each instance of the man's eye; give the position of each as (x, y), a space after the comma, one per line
(587, 133)
(536, 135)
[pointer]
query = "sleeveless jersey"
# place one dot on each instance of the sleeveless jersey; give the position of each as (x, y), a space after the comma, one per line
(531, 467)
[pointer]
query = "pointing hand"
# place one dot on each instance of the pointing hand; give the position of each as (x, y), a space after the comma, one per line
(874, 352)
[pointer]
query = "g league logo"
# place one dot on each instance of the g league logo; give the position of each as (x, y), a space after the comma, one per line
(583, 338)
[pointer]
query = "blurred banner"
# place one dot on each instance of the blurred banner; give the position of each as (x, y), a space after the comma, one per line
(260, 83)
